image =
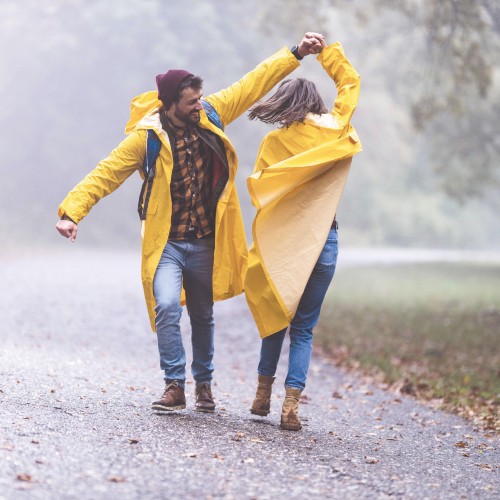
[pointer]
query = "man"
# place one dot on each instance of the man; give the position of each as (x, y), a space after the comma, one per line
(194, 248)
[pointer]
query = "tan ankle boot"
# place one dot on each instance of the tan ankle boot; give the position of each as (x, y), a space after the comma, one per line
(290, 420)
(262, 402)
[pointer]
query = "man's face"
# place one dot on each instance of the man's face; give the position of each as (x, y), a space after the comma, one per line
(187, 110)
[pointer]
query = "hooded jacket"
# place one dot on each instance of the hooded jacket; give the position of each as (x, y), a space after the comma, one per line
(230, 254)
(299, 178)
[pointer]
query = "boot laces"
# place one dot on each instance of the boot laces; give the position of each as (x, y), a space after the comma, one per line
(170, 387)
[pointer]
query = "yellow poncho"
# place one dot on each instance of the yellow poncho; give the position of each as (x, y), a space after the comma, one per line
(299, 178)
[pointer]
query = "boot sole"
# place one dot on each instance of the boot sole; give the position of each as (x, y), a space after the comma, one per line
(261, 413)
(290, 427)
(167, 408)
(205, 410)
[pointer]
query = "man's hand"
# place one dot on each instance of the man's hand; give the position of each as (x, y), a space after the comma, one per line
(67, 228)
(312, 43)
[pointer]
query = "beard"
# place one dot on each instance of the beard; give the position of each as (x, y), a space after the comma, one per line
(191, 118)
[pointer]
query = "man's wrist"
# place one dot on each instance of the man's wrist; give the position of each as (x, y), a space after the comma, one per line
(295, 51)
(66, 217)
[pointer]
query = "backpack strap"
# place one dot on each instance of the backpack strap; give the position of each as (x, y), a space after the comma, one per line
(153, 146)
(212, 114)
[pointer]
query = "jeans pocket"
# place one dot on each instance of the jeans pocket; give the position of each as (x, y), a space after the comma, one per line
(328, 256)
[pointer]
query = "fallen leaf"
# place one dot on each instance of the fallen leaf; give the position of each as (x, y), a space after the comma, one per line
(484, 466)
(116, 479)
(485, 446)
(461, 444)
(238, 436)
(34, 441)
(488, 487)
(133, 440)
(407, 388)
(217, 456)
(337, 395)
(25, 477)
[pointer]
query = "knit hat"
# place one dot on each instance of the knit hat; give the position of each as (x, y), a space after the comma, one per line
(168, 84)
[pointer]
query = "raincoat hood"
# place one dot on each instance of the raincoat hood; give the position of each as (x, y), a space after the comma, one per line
(144, 112)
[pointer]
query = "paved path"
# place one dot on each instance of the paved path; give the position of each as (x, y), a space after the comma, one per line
(79, 368)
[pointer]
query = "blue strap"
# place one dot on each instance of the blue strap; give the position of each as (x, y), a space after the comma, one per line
(212, 114)
(153, 146)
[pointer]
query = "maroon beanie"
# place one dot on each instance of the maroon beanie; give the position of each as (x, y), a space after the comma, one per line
(168, 84)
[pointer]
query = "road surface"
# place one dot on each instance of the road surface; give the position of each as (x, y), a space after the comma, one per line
(79, 369)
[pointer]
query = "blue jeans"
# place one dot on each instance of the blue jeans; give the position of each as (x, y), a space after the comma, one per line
(188, 262)
(305, 319)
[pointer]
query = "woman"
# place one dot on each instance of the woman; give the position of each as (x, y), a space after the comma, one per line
(300, 173)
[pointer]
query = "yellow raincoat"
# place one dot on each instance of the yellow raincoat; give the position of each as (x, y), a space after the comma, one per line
(298, 180)
(230, 255)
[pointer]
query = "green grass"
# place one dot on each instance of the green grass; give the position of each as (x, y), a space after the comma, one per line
(434, 329)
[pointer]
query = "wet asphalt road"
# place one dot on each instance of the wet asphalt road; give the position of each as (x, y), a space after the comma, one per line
(79, 369)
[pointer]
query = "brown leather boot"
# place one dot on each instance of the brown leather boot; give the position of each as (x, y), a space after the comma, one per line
(290, 420)
(262, 403)
(173, 398)
(204, 398)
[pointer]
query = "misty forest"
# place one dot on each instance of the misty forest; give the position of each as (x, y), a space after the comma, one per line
(428, 114)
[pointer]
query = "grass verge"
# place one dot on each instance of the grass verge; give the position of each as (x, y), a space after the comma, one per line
(430, 330)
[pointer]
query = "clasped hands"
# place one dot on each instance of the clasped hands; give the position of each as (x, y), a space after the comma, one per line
(312, 43)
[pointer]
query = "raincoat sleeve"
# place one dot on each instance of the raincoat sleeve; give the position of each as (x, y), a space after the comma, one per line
(109, 174)
(236, 99)
(347, 81)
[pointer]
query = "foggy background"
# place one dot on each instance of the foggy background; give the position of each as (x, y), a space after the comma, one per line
(428, 114)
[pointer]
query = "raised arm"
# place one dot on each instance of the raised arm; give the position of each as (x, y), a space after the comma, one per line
(347, 81)
(239, 97)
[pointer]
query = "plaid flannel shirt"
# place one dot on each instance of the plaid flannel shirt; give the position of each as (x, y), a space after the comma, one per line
(190, 186)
